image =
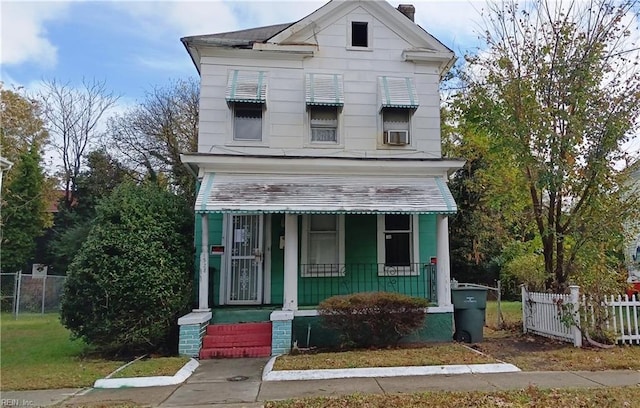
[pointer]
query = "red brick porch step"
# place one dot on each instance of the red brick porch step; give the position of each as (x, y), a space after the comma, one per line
(237, 340)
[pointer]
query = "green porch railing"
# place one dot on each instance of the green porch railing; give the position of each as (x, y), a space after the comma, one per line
(321, 281)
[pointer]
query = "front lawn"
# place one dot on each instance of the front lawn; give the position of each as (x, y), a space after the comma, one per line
(530, 398)
(425, 355)
(37, 353)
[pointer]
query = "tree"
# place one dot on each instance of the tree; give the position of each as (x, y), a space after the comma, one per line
(131, 278)
(24, 215)
(154, 134)
(22, 125)
(73, 117)
(563, 80)
(25, 191)
(71, 224)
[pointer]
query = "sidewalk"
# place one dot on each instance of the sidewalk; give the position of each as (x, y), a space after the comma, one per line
(238, 383)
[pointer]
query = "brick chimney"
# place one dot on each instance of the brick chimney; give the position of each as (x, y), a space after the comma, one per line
(408, 10)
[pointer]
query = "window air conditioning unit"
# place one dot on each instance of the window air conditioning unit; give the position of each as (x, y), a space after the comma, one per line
(396, 137)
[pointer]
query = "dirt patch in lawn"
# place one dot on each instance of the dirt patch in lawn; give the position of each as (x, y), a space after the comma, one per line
(536, 353)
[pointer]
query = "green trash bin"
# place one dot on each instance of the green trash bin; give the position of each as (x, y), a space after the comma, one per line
(469, 304)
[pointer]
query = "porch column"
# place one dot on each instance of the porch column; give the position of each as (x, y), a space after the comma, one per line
(290, 262)
(443, 267)
(203, 281)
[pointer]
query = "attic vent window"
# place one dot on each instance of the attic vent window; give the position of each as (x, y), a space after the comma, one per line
(359, 34)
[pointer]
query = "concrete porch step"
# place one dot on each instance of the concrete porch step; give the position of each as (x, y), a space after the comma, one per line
(237, 340)
(239, 328)
(235, 352)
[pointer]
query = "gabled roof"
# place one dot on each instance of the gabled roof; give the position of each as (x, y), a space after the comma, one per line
(238, 38)
(293, 37)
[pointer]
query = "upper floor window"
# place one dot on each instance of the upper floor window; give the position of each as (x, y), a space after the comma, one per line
(246, 94)
(323, 121)
(247, 121)
(398, 102)
(395, 125)
(359, 34)
(324, 99)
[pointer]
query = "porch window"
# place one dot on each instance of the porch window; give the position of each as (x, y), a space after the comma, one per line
(397, 245)
(322, 249)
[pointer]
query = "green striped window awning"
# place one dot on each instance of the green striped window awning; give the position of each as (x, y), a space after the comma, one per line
(397, 92)
(246, 86)
(324, 90)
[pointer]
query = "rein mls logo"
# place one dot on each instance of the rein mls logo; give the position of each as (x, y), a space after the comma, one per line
(14, 402)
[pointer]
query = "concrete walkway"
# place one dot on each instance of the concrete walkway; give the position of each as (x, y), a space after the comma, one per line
(238, 383)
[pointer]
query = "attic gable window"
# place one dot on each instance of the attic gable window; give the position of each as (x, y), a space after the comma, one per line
(359, 34)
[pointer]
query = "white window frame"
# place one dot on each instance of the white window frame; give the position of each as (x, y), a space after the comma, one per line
(413, 269)
(363, 19)
(304, 249)
(331, 143)
(233, 121)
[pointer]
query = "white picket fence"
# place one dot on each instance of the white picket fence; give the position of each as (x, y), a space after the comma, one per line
(543, 314)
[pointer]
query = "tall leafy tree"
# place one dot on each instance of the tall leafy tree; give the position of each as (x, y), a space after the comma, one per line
(25, 190)
(563, 79)
(24, 215)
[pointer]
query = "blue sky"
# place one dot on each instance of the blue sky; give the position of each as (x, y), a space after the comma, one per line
(135, 45)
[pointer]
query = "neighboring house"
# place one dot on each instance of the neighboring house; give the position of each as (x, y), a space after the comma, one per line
(632, 254)
(320, 173)
(5, 165)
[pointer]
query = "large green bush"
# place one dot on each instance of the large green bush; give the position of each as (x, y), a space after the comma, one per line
(130, 280)
(373, 318)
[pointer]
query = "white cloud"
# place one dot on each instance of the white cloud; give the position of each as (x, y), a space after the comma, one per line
(23, 34)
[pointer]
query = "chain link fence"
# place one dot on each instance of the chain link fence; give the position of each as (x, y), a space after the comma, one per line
(26, 293)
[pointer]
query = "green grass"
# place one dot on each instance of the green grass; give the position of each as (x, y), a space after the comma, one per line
(152, 367)
(37, 353)
(428, 354)
(530, 397)
(511, 314)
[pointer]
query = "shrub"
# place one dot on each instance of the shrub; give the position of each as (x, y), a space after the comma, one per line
(374, 318)
(130, 280)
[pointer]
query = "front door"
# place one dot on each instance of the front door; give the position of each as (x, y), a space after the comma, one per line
(244, 283)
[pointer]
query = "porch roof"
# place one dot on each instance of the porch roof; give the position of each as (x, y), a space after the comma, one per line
(326, 194)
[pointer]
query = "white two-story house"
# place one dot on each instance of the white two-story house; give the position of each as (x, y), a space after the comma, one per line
(320, 173)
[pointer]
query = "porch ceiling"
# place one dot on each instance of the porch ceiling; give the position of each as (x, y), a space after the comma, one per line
(328, 194)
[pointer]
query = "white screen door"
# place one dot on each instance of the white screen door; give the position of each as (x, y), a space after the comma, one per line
(244, 283)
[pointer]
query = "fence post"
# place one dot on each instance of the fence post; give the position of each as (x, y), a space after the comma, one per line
(523, 291)
(575, 310)
(500, 320)
(18, 296)
(44, 290)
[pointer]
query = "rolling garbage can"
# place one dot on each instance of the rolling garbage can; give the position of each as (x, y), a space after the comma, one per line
(469, 304)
